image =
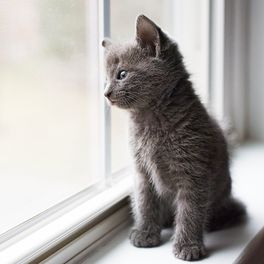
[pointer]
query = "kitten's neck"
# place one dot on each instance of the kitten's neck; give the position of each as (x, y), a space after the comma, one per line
(176, 94)
(174, 105)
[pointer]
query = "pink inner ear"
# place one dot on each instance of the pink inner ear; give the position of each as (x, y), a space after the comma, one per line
(146, 32)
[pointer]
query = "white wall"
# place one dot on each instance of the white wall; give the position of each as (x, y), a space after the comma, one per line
(255, 91)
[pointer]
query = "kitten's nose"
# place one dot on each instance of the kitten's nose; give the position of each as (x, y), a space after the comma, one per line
(108, 94)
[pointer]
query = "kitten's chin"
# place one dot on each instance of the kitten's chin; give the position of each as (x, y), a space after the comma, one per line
(122, 106)
(119, 104)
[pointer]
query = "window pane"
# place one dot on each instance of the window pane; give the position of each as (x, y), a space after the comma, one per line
(191, 31)
(48, 105)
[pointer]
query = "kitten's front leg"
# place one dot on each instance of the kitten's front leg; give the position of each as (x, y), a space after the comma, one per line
(146, 232)
(190, 217)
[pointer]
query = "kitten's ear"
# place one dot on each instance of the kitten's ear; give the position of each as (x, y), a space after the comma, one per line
(148, 34)
(106, 43)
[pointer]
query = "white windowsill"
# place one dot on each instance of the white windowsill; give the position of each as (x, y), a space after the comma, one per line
(224, 246)
(27, 247)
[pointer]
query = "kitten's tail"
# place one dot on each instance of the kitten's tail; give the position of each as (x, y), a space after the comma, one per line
(229, 214)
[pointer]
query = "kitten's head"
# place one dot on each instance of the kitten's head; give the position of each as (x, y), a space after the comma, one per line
(139, 73)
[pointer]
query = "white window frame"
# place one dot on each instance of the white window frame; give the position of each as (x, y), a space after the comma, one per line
(105, 117)
(228, 55)
(72, 227)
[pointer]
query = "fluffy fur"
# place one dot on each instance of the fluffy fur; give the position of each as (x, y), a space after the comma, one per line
(180, 153)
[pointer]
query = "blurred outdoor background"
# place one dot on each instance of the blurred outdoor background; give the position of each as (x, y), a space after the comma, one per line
(47, 136)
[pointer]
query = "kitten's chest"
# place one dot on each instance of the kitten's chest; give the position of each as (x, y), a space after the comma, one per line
(146, 133)
(145, 144)
(147, 149)
(158, 152)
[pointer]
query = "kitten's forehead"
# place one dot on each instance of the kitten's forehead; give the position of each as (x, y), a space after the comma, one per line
(128, 54)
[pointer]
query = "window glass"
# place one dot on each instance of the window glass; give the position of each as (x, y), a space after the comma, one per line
(191, 32)
(48, 105)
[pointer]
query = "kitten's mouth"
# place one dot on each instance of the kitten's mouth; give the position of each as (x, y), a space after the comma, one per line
(118, 103)
(111, 101)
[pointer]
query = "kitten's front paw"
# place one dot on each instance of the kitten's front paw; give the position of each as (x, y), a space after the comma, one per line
(144, 239)
(189, 252)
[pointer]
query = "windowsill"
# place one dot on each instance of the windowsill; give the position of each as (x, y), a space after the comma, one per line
(51, 233)
(224, 246)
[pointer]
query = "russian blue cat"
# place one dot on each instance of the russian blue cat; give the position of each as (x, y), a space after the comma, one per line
(180, 152)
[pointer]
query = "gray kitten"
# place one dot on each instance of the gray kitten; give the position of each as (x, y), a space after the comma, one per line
(180, 152)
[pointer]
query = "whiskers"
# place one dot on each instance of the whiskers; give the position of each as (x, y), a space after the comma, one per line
(127, 99)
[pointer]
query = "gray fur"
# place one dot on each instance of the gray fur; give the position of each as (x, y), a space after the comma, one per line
(180, 153)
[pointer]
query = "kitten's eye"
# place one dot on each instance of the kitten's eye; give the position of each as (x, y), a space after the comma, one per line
(121, 75)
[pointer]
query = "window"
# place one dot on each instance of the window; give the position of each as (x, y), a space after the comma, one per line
(60, 144)
(49, 106)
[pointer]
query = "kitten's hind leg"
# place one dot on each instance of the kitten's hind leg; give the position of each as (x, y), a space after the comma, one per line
(225, 214)
(146, 206)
